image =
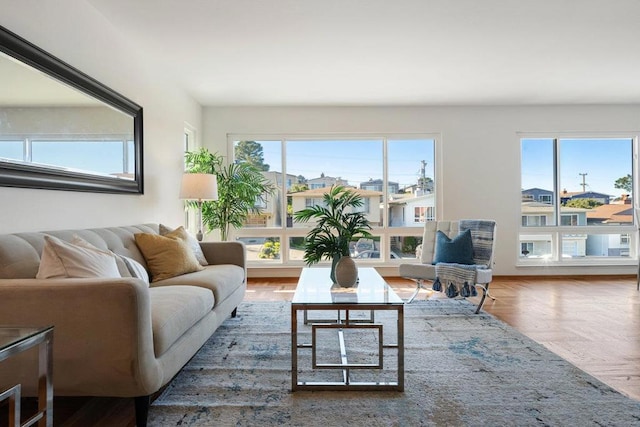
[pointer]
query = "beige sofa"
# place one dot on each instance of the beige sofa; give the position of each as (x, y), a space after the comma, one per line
(116, 337)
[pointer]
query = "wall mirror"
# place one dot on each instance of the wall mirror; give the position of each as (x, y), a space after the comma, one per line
(61, 129)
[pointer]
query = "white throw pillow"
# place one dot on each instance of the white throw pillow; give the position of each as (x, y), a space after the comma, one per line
(127, 267)
(136, 269)
(62, 259)
(122, 266)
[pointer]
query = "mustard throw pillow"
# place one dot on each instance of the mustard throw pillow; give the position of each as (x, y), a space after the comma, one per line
(166, 256)
(184, 235)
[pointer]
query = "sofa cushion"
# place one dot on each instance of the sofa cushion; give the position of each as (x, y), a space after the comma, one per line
(184, 235)
(63, 259)
(166, 256)
(222, 279)
(174, 310)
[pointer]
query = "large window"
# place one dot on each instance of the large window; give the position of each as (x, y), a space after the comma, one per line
(576, 198)
(395, 177)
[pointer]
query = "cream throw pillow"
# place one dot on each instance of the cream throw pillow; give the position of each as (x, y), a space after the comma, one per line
(62, 259)
(191, 241)
(135, 269)
(127, 267)
(122, 267)
(166, 256)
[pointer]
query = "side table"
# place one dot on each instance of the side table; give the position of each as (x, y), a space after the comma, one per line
(14, 340)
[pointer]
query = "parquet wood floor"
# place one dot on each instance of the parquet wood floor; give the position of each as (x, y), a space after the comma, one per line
(593, 322)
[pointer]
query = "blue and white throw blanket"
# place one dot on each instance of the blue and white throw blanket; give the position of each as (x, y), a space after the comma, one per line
(482, 235)
(460, 279)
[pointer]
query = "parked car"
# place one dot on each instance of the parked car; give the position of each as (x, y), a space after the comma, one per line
(375, 254)
(363, 245)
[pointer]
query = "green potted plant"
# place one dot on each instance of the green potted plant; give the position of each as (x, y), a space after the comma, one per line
(337, 224)
(240, 186)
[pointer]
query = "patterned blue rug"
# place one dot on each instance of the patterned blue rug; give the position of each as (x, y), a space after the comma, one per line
(461, 369)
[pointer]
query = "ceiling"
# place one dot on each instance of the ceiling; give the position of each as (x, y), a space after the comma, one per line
(389, 52)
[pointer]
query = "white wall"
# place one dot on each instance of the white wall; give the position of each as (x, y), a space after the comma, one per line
(480, 152)
(73, 31)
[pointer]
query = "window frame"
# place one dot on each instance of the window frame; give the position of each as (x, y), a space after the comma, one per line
(385, 233)
(556, 232)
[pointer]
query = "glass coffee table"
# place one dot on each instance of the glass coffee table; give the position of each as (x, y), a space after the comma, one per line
(14, 340)
(314, 293)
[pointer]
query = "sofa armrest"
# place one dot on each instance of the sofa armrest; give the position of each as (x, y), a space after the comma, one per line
(225, 253)
(103, 339)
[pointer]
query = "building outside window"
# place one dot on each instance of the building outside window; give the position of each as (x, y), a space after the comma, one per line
(577, 198)
(545, 198)
(569, 219)
(534, 220)
(526, 248)
(423, 214)
(366, 206)
(311, 202)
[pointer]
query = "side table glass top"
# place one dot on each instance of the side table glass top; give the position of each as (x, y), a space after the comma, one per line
(315, 287)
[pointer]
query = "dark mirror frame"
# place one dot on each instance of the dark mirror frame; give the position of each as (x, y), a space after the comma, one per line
(28, 176)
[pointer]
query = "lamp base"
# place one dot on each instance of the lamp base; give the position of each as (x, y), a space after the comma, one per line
(199, 235)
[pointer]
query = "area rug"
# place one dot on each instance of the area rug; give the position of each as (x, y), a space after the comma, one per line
(461, 369)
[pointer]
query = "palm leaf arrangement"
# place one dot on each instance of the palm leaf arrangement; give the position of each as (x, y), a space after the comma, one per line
(337, 224)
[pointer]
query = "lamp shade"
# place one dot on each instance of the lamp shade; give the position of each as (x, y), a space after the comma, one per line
(199, 186)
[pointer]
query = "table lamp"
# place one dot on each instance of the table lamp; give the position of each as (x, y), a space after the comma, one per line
(199, 186)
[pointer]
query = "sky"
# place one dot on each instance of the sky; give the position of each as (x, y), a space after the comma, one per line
(354, 160)
(602, 160)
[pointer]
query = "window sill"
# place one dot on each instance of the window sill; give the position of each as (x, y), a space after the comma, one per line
(584, 262)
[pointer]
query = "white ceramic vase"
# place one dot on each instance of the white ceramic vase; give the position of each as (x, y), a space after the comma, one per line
(346, 272)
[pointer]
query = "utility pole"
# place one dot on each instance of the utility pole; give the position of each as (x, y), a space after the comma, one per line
(423, 175)
(584, 184)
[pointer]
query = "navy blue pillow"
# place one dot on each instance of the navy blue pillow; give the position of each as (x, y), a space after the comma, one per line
(458, 250)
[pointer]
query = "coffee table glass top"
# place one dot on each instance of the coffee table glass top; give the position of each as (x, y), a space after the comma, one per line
(315, 287)
(10, 335)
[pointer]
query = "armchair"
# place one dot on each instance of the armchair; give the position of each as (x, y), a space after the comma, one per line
(455, 279)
